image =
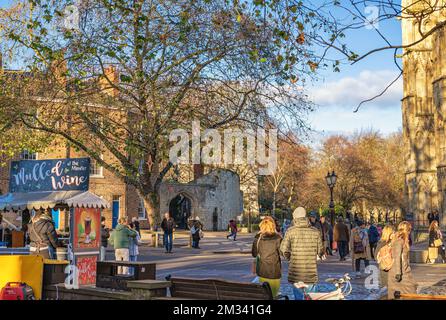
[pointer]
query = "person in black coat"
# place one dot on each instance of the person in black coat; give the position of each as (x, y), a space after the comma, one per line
(168, 225)
(42, 235)
(105, 235)
(435, 235)
(135, 222)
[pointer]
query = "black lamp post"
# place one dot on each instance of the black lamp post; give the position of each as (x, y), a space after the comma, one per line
(331, 181)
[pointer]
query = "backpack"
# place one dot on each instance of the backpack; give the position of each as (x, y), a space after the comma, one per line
(384, 258)
(358, 246)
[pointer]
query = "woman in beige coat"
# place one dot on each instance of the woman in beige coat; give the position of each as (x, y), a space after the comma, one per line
(400, 275)
(360, 247)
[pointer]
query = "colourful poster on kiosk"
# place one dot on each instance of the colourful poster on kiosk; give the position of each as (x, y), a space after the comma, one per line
(86, 241)
(86, 268)
(87, 228)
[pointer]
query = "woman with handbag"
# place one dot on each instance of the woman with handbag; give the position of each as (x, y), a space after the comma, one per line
(266, 251)
(435, 243)
(359, 243)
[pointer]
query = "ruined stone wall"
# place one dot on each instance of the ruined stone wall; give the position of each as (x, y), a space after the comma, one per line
(215, 197)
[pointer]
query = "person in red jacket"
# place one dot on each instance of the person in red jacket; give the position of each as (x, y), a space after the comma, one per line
(233, 230)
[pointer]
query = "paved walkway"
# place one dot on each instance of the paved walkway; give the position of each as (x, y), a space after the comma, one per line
(231, 260)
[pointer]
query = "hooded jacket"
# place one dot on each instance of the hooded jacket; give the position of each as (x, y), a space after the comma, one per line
(301, 246)
(42, 232)
(267, 248)
(119, 238)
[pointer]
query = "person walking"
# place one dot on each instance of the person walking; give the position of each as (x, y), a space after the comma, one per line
(137, 228)
(437, 216)
(386, 239)
(277, 222)
(286, 224)
(400, 275)
(314, 222)
(341, 235)
(301, 247)
(105, 235)
(435, 243)
(430, 217)
(325, 230)
(134, 243)
(373, 234)
(197, 233)
(266, 250)
(168, 226)
(233, 230)
(42, 235)
(119, 239)
(359, 243)
(348, 223)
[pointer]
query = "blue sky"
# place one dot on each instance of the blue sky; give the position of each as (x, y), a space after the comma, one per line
(5, 3)
(337, 94)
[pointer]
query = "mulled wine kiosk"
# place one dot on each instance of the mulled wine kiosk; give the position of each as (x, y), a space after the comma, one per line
(60, 186)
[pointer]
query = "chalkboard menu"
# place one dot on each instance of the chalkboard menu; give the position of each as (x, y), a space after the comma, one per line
(50, 175)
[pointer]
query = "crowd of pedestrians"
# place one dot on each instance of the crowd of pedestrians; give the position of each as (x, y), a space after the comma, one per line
(308, 239)
(302, 241)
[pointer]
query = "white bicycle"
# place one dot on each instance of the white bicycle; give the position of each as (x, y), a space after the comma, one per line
(343, 289)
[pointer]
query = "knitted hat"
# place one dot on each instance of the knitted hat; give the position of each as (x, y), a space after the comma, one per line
(299, 213)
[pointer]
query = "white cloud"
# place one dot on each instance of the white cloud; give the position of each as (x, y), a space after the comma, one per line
(348, 92)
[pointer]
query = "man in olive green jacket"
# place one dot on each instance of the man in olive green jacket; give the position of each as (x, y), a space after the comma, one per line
(301, 247)
(119, 239)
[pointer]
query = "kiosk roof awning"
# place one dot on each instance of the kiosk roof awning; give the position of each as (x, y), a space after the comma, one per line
(45, 200)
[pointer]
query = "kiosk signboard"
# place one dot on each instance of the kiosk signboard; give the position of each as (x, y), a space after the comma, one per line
(70, 174)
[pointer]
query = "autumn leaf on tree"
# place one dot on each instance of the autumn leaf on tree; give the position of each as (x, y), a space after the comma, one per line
(301, 38)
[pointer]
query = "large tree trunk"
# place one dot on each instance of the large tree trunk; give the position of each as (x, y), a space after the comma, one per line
(151, 205)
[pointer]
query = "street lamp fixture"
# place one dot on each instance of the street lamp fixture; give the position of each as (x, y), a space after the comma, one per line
(331, 179)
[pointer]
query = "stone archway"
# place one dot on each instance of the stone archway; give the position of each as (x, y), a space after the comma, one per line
(180, 209)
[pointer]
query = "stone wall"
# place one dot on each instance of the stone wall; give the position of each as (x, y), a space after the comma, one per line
(423, 109)
(217, 191)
